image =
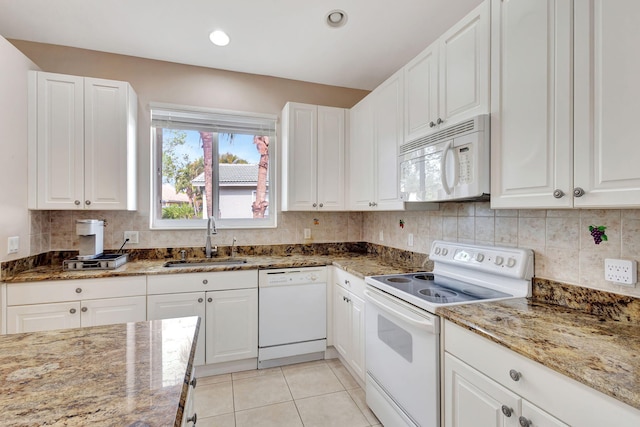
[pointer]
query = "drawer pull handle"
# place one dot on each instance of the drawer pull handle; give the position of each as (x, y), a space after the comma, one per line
(78, 290)
(193, 419)
(515, 375)
(506, 411)
(205, 281)
(524, 422)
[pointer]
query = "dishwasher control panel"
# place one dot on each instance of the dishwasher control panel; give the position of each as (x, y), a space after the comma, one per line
(292, 276)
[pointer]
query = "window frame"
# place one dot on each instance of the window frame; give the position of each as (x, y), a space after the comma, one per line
(155, 215)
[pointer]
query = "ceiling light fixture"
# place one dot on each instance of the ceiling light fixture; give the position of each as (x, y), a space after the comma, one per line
(336, 18)
(219, 38)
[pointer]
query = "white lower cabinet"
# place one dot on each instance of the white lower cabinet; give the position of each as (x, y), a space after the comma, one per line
(62, 304)
(348, 320)
(486, 384)
(227, 303)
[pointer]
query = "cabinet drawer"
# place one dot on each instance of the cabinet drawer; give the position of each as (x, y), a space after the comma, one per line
(74, 290)
(350, 282)
(559, 395)
(193, 282)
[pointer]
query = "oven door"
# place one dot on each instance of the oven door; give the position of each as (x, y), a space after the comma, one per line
(402, 360)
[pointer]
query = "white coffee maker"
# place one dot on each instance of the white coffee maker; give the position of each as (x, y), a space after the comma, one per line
(91, 234)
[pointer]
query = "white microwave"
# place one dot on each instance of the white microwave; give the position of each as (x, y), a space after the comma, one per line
(450, 164)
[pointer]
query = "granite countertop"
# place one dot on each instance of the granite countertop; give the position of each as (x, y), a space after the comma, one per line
(358, 264)
(599, 351)
(132, 374)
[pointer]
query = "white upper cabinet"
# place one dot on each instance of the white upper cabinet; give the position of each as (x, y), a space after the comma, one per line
(564, 96)
(376, 132)
(313, 147)
(531, 134)
(607, 102)
(449, 81)
(82, 148)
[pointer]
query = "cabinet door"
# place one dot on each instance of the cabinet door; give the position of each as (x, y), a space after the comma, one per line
(538, 418)
(607, 101)
(361, 156)
(388, 121)
(113, 310)
(43, 317)
(109, 151)
(472, 399)
(464, 67)
(232, 325)
(331, 158)
(531, 101)
(168, 306)
(60, 142)
(341, 321)
(421, 94)
(300, 140)
(357, 353)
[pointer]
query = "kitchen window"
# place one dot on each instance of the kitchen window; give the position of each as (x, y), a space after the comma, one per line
(212, 163)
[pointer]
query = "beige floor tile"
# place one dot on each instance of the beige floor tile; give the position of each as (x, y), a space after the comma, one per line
(213, 379)
(312, 381)
(345, 377)
(226, 420)
(304, 365)
(278, 415)
(213, 399)
(331, 410)
(334, 363)
(358, 395)
(260, 391)
(256, 373)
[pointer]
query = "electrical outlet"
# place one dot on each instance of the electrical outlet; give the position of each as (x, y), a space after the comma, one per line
(132, 236)
(410, 239)
(381, 236)
(13, 245)
(621, 271)
(307, 233)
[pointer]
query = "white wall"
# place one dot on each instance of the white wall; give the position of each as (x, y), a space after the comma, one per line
(14, 215)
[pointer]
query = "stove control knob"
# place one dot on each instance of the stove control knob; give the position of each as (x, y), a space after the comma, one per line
(499, 260)
(437, 250)
(444, 251)
(511, 262)
(479, 257)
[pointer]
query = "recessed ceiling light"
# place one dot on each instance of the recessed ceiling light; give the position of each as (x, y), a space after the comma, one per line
(336, 18)
(219, 38)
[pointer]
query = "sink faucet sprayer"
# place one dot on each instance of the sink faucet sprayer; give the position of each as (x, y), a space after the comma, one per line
(211, 229)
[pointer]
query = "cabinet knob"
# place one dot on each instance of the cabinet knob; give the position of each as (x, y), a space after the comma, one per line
(194, 382)
(321, 205)
(515, 375)
(210, 299)
(72, 311)
(87, 202)
(193, 419)
(77, 202)
(432, 124)
(346, 282)
(506, 410)
(84, 309)
(524, 422)
(578, 192)
(315, 205)
(439, 121)
(78, 290)
(205, 281)
(558, 194)
(200, 299)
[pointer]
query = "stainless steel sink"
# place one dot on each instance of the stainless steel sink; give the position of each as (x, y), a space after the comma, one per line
(204, 262)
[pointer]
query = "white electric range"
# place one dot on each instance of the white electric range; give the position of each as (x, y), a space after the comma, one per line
(402, 329)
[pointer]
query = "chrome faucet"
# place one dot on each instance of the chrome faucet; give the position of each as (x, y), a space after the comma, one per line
(211, 229)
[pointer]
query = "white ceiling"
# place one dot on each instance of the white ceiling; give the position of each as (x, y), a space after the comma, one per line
(282, 38)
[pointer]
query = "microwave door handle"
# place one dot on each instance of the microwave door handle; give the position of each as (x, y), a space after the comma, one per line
(443, 168)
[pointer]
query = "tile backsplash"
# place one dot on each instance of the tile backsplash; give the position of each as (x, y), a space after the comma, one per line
(564, 248)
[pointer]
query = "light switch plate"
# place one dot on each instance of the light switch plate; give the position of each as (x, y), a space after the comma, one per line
(307, 233)
(13, 244)
(410, 239)
(133, 237)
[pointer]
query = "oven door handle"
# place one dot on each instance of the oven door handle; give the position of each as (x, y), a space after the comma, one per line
(425, 323)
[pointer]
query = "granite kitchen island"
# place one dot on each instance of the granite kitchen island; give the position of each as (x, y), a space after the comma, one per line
(132, 374)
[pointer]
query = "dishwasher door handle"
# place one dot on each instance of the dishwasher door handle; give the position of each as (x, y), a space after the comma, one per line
(425, 323)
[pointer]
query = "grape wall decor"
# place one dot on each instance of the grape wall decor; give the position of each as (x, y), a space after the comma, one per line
(597, 231)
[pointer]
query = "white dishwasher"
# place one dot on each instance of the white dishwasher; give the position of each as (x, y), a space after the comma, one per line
(292, 315)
